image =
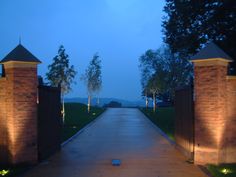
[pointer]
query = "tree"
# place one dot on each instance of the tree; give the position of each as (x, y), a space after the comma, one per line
(191, 24)
(162, 72)
(147, 68)
(177, 73)
(153, 86)
(61, 74)
(93, 78)
(152, 69)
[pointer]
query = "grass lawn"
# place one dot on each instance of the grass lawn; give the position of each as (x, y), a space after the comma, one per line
(163, 118)
(224, 170)
(76, 118)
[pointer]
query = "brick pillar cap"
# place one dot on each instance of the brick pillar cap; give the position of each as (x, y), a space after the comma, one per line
(19, 64)
(211, 62)
(211, 59)
(231, 77)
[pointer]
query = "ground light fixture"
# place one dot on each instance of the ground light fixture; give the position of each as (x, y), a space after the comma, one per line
(226, 171)
(4, 172)
(116, 162)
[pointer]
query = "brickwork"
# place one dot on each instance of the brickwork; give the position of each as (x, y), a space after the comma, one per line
(21, 112)
(209, 89)
(230, 130)
(3, 128)
(215, 113)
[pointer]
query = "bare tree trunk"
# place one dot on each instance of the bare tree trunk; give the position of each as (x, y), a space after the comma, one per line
(146, 102)
(154, 102)
(63, 109)
(89, 103)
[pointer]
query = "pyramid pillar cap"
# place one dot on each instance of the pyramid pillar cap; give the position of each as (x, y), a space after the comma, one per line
(211, 54)
(20, 54)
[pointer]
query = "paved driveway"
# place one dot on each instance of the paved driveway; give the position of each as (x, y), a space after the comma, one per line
(123, 134)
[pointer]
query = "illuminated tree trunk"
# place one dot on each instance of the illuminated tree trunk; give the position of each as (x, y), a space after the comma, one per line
(154, 101)
(63, 109)
(89, 103)
(146, 102)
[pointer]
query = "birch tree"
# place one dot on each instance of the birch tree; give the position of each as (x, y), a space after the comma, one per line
(147, 69)
(61, 74)
(93, 78)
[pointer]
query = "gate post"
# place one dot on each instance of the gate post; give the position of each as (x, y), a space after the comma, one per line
(21, 105)
(210, 70)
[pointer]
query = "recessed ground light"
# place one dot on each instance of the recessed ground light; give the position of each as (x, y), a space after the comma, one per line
(116, 162)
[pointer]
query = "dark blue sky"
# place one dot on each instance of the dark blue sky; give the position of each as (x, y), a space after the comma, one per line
(119, 30)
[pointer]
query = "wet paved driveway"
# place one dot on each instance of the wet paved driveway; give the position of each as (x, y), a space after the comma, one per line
(123, 134)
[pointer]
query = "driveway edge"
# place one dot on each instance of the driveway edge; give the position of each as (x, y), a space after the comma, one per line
(81, 130)
(159, 130)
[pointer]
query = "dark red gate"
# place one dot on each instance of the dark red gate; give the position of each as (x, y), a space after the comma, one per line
(184, 121)
(49, 121)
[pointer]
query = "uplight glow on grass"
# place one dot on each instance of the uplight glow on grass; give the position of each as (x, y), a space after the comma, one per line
(4, 172)
(226, 171)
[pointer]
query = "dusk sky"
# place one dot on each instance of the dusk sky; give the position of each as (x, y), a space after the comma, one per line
(119, 30)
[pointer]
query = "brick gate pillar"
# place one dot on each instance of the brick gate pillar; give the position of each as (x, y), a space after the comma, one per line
(21, 105)
(210, 70)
